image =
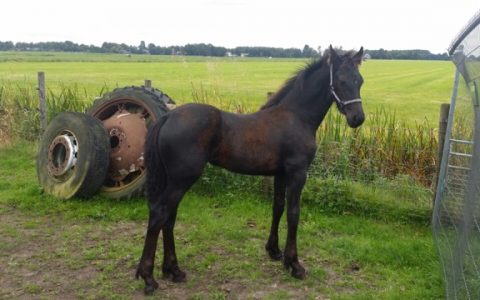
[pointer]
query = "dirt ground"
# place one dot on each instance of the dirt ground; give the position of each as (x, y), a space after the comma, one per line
(48, 257)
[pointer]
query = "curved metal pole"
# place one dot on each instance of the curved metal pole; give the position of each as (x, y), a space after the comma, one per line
(446, 147)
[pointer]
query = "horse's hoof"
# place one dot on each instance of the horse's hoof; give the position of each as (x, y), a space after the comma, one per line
(275, 255)
(274, 252)
(179, 276)
(175, 274)
(150, 288)
(298, 272)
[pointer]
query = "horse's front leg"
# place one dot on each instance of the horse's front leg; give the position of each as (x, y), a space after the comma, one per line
(278, 207)
(295, 185)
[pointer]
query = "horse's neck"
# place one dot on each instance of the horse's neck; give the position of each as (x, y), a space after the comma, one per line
(311, 106)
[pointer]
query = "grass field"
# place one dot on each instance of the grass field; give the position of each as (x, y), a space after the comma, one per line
(359, 240)
(412, 89)
(88, 249)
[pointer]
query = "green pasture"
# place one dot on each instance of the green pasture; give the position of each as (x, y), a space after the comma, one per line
(365, 242)
(359, 239)
(411, 89)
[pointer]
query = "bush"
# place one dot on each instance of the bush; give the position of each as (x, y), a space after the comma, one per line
(216, 181)
(399, 200)
(329, 195)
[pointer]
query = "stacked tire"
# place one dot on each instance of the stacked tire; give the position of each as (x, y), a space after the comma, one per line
(81, 154)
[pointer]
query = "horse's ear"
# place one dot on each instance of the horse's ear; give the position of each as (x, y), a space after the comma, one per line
(358, 57)
(333, 57)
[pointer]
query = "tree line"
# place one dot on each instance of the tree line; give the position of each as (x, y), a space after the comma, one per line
(202, 49)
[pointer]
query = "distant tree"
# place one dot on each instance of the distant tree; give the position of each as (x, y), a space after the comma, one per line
(211, 50)
(308, 51)
(406, 54)
(142, 48)
(7, 46)
(204, 50)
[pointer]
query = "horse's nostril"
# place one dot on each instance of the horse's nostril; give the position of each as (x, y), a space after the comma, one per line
(359, 119)
(356, 120)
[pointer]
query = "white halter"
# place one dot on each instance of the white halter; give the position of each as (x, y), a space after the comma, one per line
(339, 101)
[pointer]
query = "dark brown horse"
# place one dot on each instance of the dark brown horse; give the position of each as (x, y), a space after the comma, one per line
(278, 140)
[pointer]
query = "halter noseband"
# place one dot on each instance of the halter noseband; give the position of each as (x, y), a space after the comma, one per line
(332, 90)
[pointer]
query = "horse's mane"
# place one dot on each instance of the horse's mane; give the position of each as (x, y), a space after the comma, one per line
(298, 79)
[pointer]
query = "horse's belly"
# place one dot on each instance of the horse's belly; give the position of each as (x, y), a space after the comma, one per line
(247, 159)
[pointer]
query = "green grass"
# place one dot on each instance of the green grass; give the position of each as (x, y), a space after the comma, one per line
(413, 89)
(400, 99)
(357, 240)
(93, 245)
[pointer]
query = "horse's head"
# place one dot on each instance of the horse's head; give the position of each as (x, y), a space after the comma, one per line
(345, 84)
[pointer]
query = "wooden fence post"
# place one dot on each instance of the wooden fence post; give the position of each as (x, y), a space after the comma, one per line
(148, 84)
(42, 101)
(267, 184)
(442, 130)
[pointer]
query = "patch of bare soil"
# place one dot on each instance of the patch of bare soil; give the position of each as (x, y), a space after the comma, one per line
(49, 257)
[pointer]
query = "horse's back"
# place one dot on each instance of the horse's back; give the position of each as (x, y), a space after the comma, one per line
(193, 119)
(188, 136)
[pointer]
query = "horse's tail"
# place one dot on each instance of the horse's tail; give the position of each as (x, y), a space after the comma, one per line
(156, 178)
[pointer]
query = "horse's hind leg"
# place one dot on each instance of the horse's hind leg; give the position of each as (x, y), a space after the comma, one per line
(278, 207)
(170, 267)
(145, 268)
(160, 217)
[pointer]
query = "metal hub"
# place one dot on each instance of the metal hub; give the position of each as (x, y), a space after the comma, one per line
(127, 136)
(62, 154)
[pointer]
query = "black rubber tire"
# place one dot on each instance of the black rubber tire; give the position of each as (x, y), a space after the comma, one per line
(85, 177)
(154, 102)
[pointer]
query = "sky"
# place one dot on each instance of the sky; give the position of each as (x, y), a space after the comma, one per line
(373, 24)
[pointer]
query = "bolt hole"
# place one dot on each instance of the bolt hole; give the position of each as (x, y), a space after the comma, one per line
(114, 141)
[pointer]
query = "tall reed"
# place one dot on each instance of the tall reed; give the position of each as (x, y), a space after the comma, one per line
(19, 111)
(382, 147)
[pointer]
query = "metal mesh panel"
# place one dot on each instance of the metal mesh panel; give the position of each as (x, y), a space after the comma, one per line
(456, 218)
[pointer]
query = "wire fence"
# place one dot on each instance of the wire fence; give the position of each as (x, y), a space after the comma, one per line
(456, 217)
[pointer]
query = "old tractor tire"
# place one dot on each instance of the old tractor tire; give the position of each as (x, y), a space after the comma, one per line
(127, 113)
(73, 156)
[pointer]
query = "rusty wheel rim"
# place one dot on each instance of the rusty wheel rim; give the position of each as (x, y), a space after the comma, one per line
(134, 110)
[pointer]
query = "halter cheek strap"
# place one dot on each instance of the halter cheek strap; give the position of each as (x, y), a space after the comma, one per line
(332, 90)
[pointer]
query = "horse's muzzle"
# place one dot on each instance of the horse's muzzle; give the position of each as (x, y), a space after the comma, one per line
(356, 120)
